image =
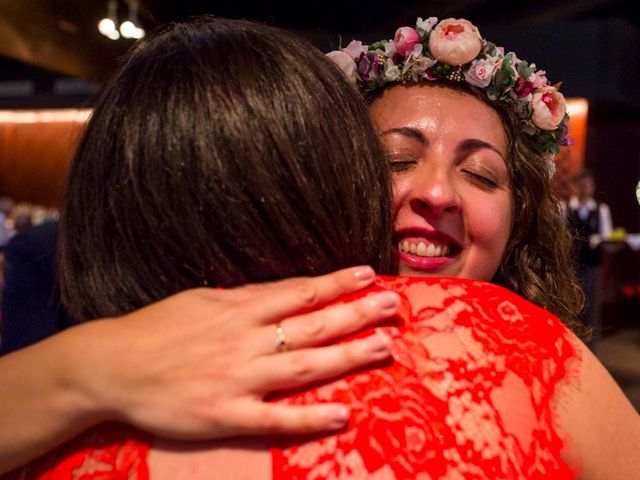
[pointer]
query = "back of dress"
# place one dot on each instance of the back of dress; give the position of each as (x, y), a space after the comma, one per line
(470, 394)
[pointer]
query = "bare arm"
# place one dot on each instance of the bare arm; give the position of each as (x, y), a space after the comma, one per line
(194, 366)
(39, 407)
(601, 425)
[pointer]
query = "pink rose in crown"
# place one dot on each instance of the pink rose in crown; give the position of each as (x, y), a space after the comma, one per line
(455, 41)
(405, 39)
(344, 61)
(480, 73)
(549, 108)
(523, 87)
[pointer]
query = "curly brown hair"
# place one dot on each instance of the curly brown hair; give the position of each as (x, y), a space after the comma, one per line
(537, 263)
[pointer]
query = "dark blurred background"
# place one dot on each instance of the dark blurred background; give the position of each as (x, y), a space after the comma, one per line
(52, 55)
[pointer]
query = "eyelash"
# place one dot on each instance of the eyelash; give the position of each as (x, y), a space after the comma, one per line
(400, 165)
(483, 181)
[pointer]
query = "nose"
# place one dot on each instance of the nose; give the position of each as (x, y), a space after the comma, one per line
(434, 192)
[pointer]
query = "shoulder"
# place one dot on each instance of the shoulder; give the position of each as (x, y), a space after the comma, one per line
(483, 323)
(598, 421)
(484, 306)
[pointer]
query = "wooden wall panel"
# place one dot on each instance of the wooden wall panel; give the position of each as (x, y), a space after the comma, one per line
(571, 159)
(36, 148)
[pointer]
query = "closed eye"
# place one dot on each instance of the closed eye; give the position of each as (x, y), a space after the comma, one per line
(480, 180)
(401, 165)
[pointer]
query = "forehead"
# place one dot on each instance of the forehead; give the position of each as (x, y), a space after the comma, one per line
(439, 112)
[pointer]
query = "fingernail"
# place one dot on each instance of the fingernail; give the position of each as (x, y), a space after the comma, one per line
(364, 274)
(338, 415)
(377, 345)
(386, 300)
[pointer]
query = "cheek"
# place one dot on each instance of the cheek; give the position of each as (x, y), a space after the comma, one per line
(490, 223)
(400, 188)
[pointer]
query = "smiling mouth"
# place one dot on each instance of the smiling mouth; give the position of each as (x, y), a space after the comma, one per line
(425, 248)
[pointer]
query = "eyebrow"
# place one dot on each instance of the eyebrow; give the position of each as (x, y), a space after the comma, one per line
(467, 146)
(407, 132)
(474, 144)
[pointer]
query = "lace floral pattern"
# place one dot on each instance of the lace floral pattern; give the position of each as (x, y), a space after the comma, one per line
(469, 396)
(107, 452)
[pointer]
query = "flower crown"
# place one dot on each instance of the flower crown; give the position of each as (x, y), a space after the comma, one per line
(454, 50)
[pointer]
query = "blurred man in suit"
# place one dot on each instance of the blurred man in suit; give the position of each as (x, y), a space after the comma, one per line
(591, 222)
(31, 309)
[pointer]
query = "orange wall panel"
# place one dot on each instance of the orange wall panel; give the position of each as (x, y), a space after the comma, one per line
(36, 148)
(570, 160)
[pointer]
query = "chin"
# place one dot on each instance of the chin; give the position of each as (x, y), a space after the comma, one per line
(406, 270)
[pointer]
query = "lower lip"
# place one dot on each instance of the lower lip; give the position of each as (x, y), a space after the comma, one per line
(429, 264)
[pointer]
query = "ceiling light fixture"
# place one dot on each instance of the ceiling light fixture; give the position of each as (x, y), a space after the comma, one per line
(107, 26)
(130, 28)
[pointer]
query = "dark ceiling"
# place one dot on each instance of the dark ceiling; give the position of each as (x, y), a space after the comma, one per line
(336, 16)
(38, 37)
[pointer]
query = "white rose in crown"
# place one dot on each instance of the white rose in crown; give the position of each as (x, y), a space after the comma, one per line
(480, 73)
(355, 49)
(344, 61)
(455, 41)
(549, 108)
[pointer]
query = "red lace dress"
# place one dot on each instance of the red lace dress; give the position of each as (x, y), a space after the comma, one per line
(470, 395)
(108, 452)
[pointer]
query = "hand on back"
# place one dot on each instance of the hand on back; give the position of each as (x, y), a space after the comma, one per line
(199, 364)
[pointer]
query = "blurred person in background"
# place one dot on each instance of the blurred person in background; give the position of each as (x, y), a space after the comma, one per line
(31, 309)
(591, 223)
(6, 205)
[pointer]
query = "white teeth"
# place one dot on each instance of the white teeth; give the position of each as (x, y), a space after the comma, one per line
(424, 250)
(431, 250)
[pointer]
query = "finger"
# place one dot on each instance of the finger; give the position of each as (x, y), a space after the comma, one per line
(276, 301)
(260, 418)
(298, 368)
(318, 327)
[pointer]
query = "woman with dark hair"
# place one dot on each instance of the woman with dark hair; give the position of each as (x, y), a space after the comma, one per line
(270, 177)
(244, 162)
(228, 176)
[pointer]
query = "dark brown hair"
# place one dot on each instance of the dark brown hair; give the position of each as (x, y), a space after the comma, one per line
(222, 152)
(537, 263)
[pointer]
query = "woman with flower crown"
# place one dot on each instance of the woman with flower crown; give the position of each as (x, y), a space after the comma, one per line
(433, 91)
(471, 134)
